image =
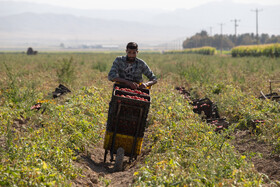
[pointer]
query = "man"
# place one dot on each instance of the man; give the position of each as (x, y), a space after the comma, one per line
(129, 69)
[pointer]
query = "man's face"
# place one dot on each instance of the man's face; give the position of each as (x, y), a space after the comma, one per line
(131, 54)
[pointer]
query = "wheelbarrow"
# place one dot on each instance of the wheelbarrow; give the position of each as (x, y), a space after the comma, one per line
(128, 111)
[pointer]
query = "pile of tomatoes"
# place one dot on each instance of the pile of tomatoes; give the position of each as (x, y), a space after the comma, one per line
(131, 91)
(133, 97)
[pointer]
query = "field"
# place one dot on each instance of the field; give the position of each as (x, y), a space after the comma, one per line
(61, 143)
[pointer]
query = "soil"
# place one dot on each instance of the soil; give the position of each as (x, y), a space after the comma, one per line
(98, 173)
(259, 153)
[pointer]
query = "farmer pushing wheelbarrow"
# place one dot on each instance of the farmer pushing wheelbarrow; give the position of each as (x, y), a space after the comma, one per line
(129, 106)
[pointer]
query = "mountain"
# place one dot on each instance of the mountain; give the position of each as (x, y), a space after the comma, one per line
(12, 7)
(69, 27)
(22, 23)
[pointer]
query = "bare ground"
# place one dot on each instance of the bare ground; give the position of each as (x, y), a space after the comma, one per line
(260, 153)
(97, 173)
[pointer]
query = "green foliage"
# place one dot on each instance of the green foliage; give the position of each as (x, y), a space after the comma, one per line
(202, 39)
(195, 73)
(12, 83)
(17, 92)
(66, 71)
(100, 66)
(218, 88)
(228, 41)
(186, 151)
(42, 147)
(45, 155)
(41, 151)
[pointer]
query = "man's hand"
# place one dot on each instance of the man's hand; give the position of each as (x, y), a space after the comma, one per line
(148, 84)
(143, 85)
(132, 85)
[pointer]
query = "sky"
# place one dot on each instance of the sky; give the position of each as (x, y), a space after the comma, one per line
(141, 4)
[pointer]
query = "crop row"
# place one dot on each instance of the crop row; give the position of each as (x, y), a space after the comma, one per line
(39, 148)
(186, 151)
(270, 50)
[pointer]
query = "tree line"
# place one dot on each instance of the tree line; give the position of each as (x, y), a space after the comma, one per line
(228, 41)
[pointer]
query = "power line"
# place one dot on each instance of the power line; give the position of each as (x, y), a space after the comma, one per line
(257, 13)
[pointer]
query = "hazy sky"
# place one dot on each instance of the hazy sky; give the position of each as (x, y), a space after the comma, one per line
(141, 4)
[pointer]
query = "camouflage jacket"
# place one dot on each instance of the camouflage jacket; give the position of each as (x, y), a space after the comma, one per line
(130, 71)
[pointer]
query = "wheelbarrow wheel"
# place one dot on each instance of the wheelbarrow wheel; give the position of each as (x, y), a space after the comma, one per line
(119, 160)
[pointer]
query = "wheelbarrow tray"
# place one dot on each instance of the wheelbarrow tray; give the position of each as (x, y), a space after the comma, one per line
(124, 141)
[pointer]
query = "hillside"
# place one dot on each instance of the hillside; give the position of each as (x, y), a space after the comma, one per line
(55, 26)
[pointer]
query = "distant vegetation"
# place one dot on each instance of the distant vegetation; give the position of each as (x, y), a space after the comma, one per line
(228, 41)
(200, 50)
(270, 50)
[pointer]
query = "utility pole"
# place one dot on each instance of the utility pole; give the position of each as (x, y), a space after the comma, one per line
(235, 26)
(221, 47)
(257, 14)
(210, 34)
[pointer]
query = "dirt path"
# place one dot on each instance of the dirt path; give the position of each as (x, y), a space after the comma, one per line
(98, 173)
(260, 153)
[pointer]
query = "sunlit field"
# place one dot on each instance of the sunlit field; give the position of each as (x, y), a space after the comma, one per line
(42, 147)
